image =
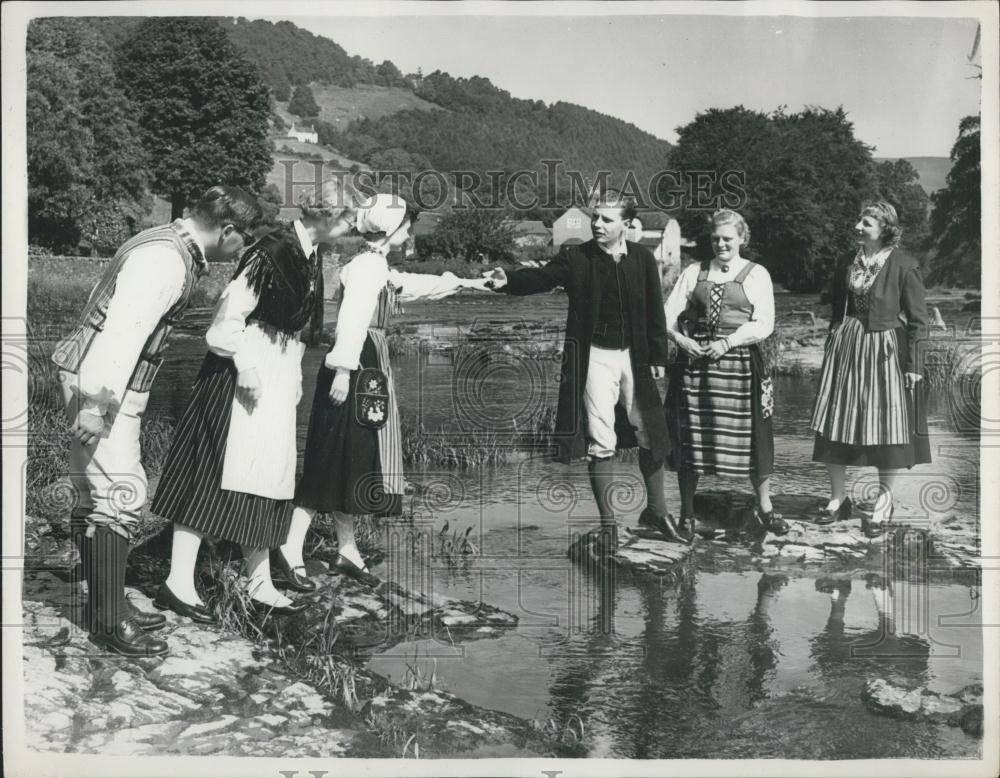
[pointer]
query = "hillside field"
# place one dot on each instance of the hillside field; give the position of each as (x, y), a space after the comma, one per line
(341, 105)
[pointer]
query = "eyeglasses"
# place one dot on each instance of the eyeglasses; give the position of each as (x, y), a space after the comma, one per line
(247, 236)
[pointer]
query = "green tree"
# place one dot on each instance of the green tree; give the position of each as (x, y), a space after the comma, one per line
(471, 234)
(303, 103)
(955, 241)
(203, 109)
(897, 184)
(86, 167)
(804, 176)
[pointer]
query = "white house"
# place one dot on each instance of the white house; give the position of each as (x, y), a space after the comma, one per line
(304, 134)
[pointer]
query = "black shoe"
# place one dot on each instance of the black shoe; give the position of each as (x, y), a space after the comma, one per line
(771, 522)
(128, 639)
(843, 513)
(166, 600)
(666, 526)
(874, 529)
(148, 622)
(288, 578)
(359, 574)
(266, 609)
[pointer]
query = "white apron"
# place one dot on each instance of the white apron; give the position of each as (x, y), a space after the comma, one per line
(261, 449)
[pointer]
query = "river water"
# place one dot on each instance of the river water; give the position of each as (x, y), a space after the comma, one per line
(730, 663)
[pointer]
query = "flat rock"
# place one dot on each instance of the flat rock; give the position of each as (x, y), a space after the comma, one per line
(963, 709)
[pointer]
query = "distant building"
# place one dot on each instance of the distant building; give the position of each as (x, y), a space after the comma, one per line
(572, 227)
(304, 134)
(531, 233)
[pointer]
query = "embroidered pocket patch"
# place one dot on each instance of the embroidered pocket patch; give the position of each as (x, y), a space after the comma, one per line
(767, 397)
(371, 398)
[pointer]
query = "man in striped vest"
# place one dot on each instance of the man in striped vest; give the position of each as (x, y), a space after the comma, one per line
(106, 368)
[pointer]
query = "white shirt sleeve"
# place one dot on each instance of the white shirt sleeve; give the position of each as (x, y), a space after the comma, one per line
(679, 296)
(227, 335)
(760, 292)
(363, 278)
(414, 286)
(148, 284)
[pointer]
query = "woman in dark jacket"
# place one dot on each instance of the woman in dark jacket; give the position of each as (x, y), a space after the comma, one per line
(230, 472)
(870, 409)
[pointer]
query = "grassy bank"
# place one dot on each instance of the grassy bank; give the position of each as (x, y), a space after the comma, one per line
(58, 288)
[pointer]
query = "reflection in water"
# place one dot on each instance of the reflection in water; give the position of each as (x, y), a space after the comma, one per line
(700, 680)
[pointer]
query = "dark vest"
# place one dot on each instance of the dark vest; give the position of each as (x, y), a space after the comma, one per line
(732, 310)
(70, 351)
(612, 327)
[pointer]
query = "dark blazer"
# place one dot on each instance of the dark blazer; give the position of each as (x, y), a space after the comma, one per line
(574, 269)
(897, 299)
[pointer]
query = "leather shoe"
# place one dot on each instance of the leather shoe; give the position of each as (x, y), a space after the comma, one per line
(166, 600)
(287, 577)
(843, 513)
(267, 609)
(359, 574)
(874, 529)
(666, 526)
(771, 522)
(128, 639)
(148, 622)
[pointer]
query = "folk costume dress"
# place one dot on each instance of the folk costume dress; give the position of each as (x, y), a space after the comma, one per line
(719, 411)
(230, 472)
(353, 461)
(864, 415)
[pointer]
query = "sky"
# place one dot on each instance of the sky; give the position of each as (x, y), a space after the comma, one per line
(904, 82)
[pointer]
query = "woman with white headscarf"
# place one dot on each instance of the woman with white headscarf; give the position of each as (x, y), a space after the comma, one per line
(353, 462)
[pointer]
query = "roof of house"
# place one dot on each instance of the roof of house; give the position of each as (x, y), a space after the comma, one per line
(531, 227)
(574, 211)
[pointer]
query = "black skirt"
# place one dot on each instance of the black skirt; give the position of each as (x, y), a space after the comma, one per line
(341, 468)
(190, 492)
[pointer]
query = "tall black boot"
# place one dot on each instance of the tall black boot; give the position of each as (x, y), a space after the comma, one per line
(114, 628)
(82, 572)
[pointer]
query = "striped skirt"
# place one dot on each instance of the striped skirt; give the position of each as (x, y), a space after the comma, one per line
(719, 415)
(864, 414)
(190, 490)
(347, 467)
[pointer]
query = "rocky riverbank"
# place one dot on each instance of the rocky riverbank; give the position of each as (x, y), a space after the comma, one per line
(253, 687)
(836, 548)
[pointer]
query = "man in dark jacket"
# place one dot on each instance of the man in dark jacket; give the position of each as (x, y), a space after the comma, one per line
(615, 349)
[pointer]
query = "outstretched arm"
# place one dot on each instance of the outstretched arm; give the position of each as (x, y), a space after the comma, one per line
(427, 286)
(533, 280)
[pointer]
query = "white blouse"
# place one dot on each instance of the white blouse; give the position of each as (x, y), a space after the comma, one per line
(363, 279)
(757, 287)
